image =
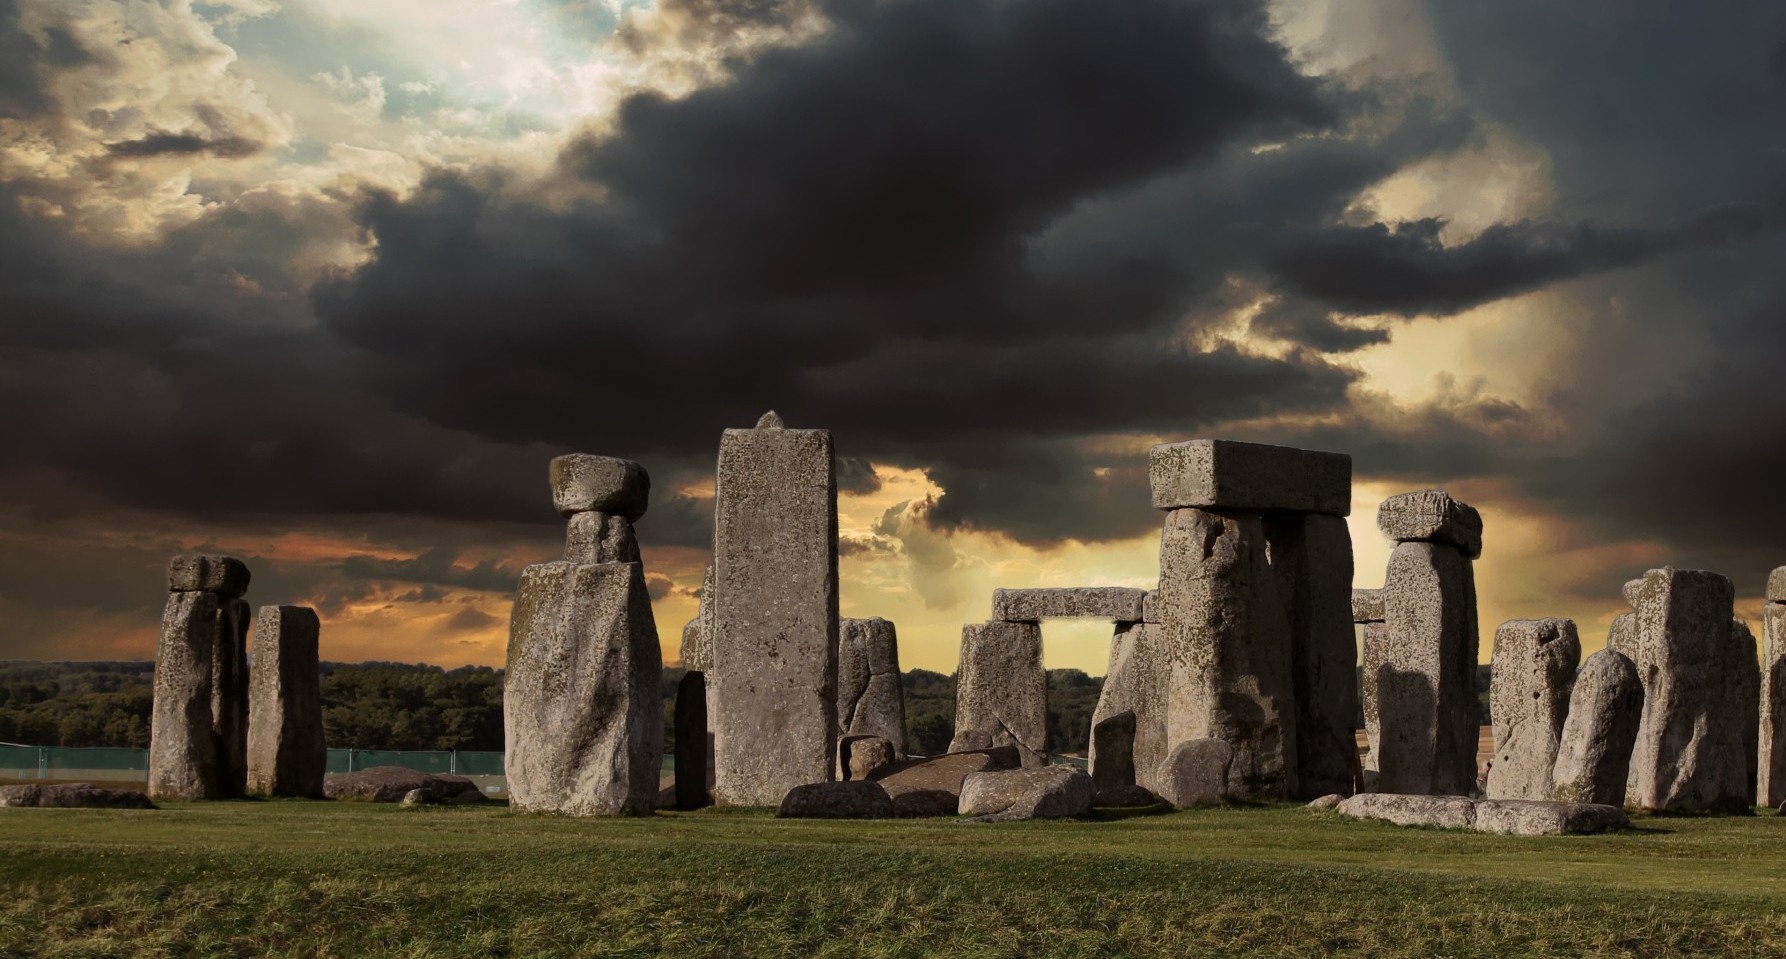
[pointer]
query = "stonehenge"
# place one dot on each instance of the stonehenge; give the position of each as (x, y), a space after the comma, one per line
(870, 689)
(198, 736)
(286, 752)
(1001, 691)
(1533, 673)
(1594, 751)
(1771, 747)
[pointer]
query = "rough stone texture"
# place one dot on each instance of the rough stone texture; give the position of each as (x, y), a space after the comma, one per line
(72, 796)
(870, 691)
(224, 575)
(1431, 515)
(287, 755)
(1367, 606)
(1044, 792)
(1113, 749)
(600, 538)
(1136, 682)
(1196, 773)
(1514, 817)
(1121, 797)
(1690, 752)
(1443, 812)
(860, 756)
(1533, 672)
(774, 679)
(1426, 708)
(932, 787)
(1328, 801)
(229, 696)
(1745, 697)
(1621, 636)
(697, 636)
(448, 795)
(583, 483)
(1116, 603)
(392, 783)
(1224, 474)
(845, 800)
(1594, 753)
(1776, 585)
(1149, 606)
(1373, 656)
(1630, 590)
(1228, 642)
(1311, 555)
(1772, 740)
(582, 709)
(182, 746)
(1001, 690)
(694, 744)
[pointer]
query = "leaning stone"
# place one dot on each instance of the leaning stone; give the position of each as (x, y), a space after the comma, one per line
(1044, 792)
(1621, 637)
(1630, 591)
(870, 689)
(287, 755)
(1440, 812)
(583, 483)
(1311, 555)
(1001, 689)
(1367, 606)
(1113, 752)
(1427, 722)
(932, 787)
(1594, 753)
(1196, 773)
(846, 800)
(1532, 674)
(774, 677)
(1328, 801)
(1223, 474)
(1431, 515)
(223, 575)
(600, 538)
(182, 746)
(72, 796)
(862, 755)
(1776, 585)
(582, 709)
(1114, 603)
(1772, 744)
(1135, 682)
(389, 784)
(694, 744)
(1516, 817)
(229, 696)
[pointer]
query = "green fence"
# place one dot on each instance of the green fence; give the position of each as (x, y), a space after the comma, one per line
(132, 765)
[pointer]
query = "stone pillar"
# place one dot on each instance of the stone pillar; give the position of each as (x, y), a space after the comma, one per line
(225, 759)
(286, 752)
(1533, 674)
(182, 748)
(1136, 682)
(870, 690)
(1745, 700)
(694, 744)
(1594, 752)
(229, 696)
(1001, 691)
(1772, 733)
(1367, 611)
(774, 678)
(1311, 553)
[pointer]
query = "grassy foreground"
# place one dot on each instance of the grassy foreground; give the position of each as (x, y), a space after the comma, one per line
(336, 879)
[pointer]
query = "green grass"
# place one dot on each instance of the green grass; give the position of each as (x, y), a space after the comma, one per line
(337, 879)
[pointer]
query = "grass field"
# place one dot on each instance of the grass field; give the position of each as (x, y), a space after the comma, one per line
(337, 879)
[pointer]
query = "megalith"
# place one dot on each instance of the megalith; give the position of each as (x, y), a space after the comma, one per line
(229, 695)
(1533, 673)
(1367, 612)
(1745, 699)
(1772, 732)
(1136, 683)
(694, 735)
(1594, 753)
(182, 747)
(870, 690)
(1311, 553)
(287, 755)
(223, 624)
(1001, 691)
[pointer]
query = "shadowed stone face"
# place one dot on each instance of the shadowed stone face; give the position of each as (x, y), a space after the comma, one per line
(1136, 683)
(286, 752)
(229, 696)
(1594, 753)
(182, 746)
(1533, 673)
(1426, 696)
(1771, 748)
(1001, 691)
(1312, 557)
(1223, 474)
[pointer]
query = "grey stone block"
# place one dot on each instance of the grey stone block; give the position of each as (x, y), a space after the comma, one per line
(594, 537)
(697, 636)
(862, 755)
(1594, 754)
(1431, 515)
(1197, 773)
(1513, 817)
(1772, 742)
(1439, 812)
(1001, 690)
(1136, 682)
(1533, 673)
(1224, 474)
(1621, 636)
(1374, 656)
(1042, 792)
(224, 575)
(1311, 554)
(870, 691)
(1113, 741)
(1427, 718)
(582, 482)
(1149, 606)
(229, 696)
(287, 755)
(1776, 585)
(182, 747)
(837, 800)
(1745, 700)
(1367, 606)
(71, 796)
(1080, 602)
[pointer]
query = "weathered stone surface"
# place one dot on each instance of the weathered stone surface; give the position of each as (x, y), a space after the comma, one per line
(1442, 812)
(1043, 792)
(870, 690)
(1113, 752)
(1001, 690)
(1772, 742)
(582, 714)
(1431, 515)
(449, 795)
(1228, 640)
(694, 744)
(72, 796)
(1594, 753)
(1367, 606)
(1223, 474)
(1690, 752)
(845, 800)
(697, 636)
(600, 538)
(182, 746)
(224, 575)
(932, 787)
(392, 783)
(1630, 590)
(286, 752)
(774, 679)
(1116, 603)
(1533, 672)
(1427, 718)
(1329, 801)
(583, 483)
(1374, 657)
(1136, 682)
(1123, 797)
(862, 755)
(229, 696)
(1621, 636)
(1197, 773)
(1776, 585)
(1745, 698)
(1311, 554)
(1515, 817)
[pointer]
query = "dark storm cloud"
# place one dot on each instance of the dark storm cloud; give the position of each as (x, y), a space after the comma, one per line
(184, 144)
(437, 567)
(24, 59)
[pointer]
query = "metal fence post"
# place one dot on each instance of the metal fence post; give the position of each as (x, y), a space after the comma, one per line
(453, 762)
(43, 762)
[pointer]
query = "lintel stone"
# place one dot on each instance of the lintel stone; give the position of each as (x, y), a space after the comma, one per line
(1114, 603)
(1224, 474)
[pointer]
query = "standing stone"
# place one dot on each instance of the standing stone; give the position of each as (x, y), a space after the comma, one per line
(1690, 747)
(1594, 754)
(694, 744)
(1228, 642)
(1772, 739)
(1533, 674)
(774, 678)
(1374, 656)
(229, 696)
(1001, 691)
(1113, 743)
(182, 747)
(1136, 683)
(286, 752)
(1745, 699)
(697, 636)
(1311, 554)
(1427, 718)
(1197, 773)
(582, 713)
(870, 691)
(600, 538)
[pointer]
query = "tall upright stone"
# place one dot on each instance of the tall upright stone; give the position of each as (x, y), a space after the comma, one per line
(870, 690)
(1594, 753)
(1533, 675)
(1367, 611)
(1311, 553)
(229, 695)
(1136, 683)
(1771, 750)
(287, 755)
(225, 758)
(182, 747)
(774, 678)
(1001, 691)
(694, 744)
(1745, 699)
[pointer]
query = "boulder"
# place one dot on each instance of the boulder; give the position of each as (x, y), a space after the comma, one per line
(1196, 773)
(1311, 554)
(72, 796)
(1223, 474)
(847, 800)
(391, 783)
(862, 755)
(1594, 752)
(932, 787)
(1114, 603)
(1373, 664)
(1329, 801)
(1427, 715)
(1431, 515)
(182, 745)
(1442, 812)
(600, 538)
(1515, 817)
(439, 796)
(1533, 673)
(1123, 797)
(224, 575)
(1001, 690)
(1043, 792)
(1149, 606)
(583, 483)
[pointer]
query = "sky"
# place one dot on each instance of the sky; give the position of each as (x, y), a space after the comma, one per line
(325, 285)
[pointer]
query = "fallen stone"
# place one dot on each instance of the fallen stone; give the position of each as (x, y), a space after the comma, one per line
(1223, 474)
(1113, 753)
(583, 483)
(1427, 714)
(1001, 689)
(932, 786)
(862, 755)
(694, 744)
(1196, 773)
(72, 796)
(1532, 673)
(182, 746)
(1311, 555)
(229, 696)
(845, 800)
(1771, 748)
(1432, 516)
(287, 755)
(1136, 682)
(1367, 606)
(600, 538)
(1441, 812)
(224, 575)
(1328, 801)
(391, 783)
(870, 689)
(1776, 585)
(1594, 753)
(1082, 602)
(1516, 817)
(1044, 792)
